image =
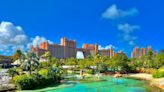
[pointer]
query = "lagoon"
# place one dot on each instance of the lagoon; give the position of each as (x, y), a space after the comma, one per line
(110, 84)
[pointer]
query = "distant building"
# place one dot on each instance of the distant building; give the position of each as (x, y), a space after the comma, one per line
(139, 52)
(120, 52)
(108, 52)
(68, 49)
(5, 62)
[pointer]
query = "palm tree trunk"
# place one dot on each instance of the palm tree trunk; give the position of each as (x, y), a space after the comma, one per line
(30, 68)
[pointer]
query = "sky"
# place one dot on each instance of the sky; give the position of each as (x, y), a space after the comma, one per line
(121, 24)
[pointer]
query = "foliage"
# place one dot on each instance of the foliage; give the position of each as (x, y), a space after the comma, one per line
(120, 62)
(159, 73)
(133, 65)
(17, 55)
(89, 71)
(33, 81)
(160, 59)
(12, 72)
(44, 73)
(51, 71)
(47, 55)
(55, 61)
(29, 61)
(15, 71)
(148, 62)
(82, 64)
(42, 65)
(71, 61)
(23, 82)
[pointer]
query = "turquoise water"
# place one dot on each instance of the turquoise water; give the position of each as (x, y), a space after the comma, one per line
(110, 85)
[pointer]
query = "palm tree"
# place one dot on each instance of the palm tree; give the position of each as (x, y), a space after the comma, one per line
(98, 60)
(17, 55)
(28, 60)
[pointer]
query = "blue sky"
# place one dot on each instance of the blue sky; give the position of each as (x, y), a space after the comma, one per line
(119, 23)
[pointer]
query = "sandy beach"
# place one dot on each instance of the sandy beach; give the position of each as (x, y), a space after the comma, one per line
(154, 81)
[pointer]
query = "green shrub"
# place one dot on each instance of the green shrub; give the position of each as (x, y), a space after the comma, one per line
(43, 65)
(24, 82)
(159, 73)
(19, 70)
(89, 71)
(12, 72)
(161, 69)
(44, 73)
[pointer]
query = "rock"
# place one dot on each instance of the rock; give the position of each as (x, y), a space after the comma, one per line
(117, 75)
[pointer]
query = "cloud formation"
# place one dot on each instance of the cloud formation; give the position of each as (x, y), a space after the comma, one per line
(126, 30)
(11, 37)
(106, 47)
(10, 34)
(114, 13)
(37, 40)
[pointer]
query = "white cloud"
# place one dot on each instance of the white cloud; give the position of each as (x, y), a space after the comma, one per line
(106, 47)
(37, 40)
(114, 13)
(11, 36)
(126, 30)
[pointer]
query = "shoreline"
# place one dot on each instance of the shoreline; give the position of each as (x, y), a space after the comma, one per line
(159, 82)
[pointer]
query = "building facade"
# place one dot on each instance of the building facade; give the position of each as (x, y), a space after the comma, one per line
(67, 49)
(139, 52)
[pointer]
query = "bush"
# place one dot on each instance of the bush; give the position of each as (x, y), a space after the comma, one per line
(41, 79)
(19, 70)
(43, 65)
(89, 71)
(12, 72)
(44, 73)
(161, 69)
(159, 73)
(24, 82)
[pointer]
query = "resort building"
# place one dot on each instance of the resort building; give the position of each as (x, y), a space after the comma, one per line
(67, 49)
(139, 52)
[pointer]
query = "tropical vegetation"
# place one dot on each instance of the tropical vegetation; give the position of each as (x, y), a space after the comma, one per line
(34, 73)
